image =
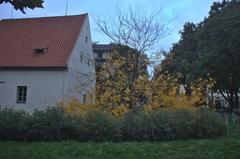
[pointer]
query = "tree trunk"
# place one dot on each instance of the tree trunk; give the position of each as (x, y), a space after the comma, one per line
(188, 89)
(236, 100)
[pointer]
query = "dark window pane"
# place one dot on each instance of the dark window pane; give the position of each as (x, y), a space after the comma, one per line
(84, 98)
(81, 58)
(21, 93)
(100, 55)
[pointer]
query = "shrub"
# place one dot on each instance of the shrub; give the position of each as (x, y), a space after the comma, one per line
(208, 124)
(12, 124)
(54, 124)
(164, 125)
(99, 126)
(233, 125)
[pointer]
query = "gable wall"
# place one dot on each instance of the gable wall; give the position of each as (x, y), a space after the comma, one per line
(81, 76)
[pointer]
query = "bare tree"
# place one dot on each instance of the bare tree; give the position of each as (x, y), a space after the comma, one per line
(137, 30)
(134, 28)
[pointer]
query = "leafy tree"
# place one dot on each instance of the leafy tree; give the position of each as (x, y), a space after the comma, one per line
(23, 4)
(165, 92)
(134, 33)
(219, 49)
(121, 91)
(209, 52)
(181, 63)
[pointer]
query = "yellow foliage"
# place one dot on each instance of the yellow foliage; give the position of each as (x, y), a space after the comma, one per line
(74, 107)
(113, 94)
(167, 94)
(120, 89)
(119, 110)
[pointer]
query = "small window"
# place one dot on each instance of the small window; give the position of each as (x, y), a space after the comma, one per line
(84, 99)
(40, 50)
(100, 55)
(91, 99)
(86, 39)
(21, 94)
(81, 58)
(88, 62)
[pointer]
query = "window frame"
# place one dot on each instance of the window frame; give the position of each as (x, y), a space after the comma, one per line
(84, 99)
(88, 62)
(81, 58)
(40, 50)
(100, 55)
(21, 96)
(91, 99)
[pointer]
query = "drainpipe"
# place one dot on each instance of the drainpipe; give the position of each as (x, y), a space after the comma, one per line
(63, 93)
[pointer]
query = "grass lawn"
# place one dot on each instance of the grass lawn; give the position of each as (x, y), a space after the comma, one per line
(222, 148)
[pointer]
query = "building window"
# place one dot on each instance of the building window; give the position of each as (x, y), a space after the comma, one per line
(84, 99)
(86, 39)
(91, 99)
(41, 50)
(88, 62)
(81, 58)
(100, 55)
(21, 94)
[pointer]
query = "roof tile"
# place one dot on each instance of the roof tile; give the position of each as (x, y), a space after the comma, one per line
(20, 38)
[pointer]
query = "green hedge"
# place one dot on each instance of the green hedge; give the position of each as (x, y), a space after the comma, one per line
(181, 124)
(54, 124)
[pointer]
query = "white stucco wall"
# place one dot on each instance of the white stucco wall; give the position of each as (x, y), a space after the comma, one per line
(81, 75)
(44, 88)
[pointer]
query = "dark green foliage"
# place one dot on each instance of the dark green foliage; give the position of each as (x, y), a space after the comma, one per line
(219, 50)
(23, 4)
(233, 123)
(12, 124)
(210, 50)
(207, 124)
(181, 63)
(54, 124)
(183, 124)
(50, 125)
(100, 126)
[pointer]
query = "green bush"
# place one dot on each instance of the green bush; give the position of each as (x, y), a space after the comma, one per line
(163, 125)
(12, 124)
(233, 125)
(53, 124)
(99, 126)
(208, 124)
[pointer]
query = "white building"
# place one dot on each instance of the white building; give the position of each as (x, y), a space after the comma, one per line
(44, 61)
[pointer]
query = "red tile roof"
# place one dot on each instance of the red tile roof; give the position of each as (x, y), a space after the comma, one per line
(20, 37)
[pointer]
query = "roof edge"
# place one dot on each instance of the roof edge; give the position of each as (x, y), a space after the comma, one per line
(44, 17)
(79, 34)
(15, 68)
